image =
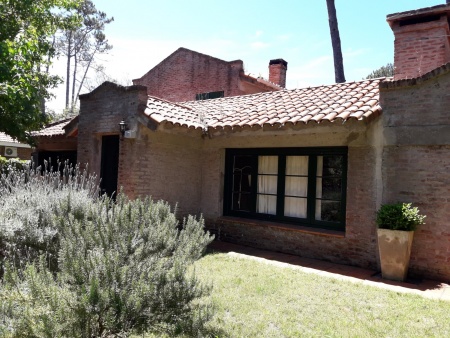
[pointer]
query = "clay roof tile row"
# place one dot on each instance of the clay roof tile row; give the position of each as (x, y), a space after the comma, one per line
(53, 129)
(341, 101)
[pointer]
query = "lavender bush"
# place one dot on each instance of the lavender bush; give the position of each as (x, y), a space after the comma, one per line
(78, 265)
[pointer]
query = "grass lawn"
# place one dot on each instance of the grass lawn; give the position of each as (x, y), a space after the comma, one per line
(254, 299)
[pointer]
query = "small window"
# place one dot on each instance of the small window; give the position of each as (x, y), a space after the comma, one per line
(304, 186)
(208, 96)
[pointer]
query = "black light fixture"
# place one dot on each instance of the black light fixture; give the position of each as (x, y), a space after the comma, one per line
(122, 127)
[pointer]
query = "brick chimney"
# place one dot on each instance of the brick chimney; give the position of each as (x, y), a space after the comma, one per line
(277, 72)
(421, 40)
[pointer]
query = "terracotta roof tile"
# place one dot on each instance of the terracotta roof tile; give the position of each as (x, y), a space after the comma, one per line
(342, 101)
(7, 140)
(53, 129)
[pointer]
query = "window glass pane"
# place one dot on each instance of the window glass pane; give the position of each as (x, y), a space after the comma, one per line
(267, 184)
(331, 188)
(266, 204)
(297, 165)
(296, 186)
(330, 166)
(329, 191)
(328, 211)
(268, 165)
(295, 207)
(241, 201)
(242, 179)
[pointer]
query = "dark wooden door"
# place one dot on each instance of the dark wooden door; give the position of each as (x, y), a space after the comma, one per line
(110, 164)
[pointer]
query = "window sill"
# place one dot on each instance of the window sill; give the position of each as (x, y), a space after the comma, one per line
(282, 226)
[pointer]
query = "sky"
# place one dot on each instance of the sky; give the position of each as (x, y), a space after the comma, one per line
(144, 32)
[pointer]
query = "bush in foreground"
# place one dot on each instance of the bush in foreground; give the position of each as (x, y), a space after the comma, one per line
(121, 268)
(29, 202)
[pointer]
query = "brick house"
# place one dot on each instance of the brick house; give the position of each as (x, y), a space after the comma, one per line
(11, 148)
(299, 171)
(184, 75)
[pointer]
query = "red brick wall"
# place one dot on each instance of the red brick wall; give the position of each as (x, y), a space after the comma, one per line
(421, 175)
(185, 73)
(416, 166)
(277, 74)
(164, 166)
(420, 48)
(100, 114)
(56, 143)
(357, 246)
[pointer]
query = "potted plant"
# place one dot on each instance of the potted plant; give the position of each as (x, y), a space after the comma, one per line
(396, 225)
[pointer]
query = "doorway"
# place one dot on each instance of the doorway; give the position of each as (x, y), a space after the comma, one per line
(109, 165)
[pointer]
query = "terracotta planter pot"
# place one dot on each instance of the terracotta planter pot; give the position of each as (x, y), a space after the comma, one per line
(395, 250)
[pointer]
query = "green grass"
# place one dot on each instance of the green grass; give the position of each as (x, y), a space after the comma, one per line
(254, 299)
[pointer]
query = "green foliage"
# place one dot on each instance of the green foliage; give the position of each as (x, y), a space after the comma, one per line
(16, 163)
(25, 51)
(91, 267)
(399, 216)
(384, 71)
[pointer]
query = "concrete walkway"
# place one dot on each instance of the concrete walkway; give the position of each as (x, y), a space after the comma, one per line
(423, 287)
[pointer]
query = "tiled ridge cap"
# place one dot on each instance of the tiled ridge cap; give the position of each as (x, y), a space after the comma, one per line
(391, 83)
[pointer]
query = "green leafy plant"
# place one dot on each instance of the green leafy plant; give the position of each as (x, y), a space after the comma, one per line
(399, 216)
(79, 265)
(16, 163)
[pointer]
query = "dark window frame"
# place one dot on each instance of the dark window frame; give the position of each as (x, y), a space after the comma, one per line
(209, 95)
(312, 153)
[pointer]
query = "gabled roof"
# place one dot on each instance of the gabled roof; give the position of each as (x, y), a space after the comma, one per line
(54, 129)
(337, 102)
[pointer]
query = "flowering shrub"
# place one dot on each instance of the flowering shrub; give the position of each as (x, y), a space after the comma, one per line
(28, 204)
(96, 267)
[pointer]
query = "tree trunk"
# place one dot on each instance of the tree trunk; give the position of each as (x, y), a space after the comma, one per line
(336, 43)
(74, 79)
(85, 72)
(69, 47)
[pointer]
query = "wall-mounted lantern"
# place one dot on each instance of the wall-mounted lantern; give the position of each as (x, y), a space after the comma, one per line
(122, 127)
